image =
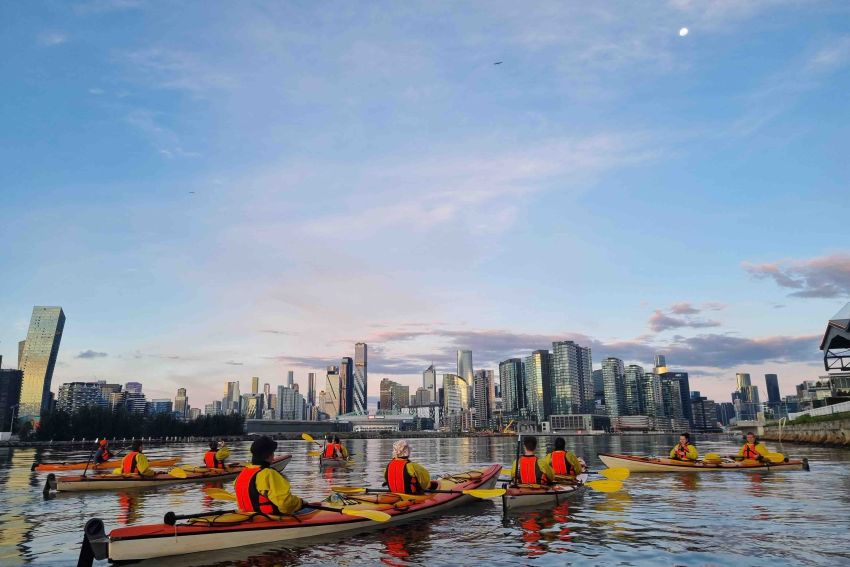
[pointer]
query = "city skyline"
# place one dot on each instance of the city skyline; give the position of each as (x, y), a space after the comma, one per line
(159, 189)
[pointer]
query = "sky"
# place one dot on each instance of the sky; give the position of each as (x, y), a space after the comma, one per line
(219, 190)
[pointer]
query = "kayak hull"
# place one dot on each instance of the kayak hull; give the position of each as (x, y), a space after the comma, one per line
(125, 482)
(161, 540)
(520, 497)
(635, 463)
(328, 463)
(107, 466)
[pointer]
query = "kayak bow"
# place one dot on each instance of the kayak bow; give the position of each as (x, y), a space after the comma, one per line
(636, 463)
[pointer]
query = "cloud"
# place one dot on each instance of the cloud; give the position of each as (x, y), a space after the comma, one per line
(96, 91)
(174, 69)
(823, 277)
(276, 332)
(234, 363)
(660, 321)
(163, 139)
(91, 354)
(51, 39)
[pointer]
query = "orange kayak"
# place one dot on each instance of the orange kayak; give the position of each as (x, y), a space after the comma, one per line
(107, 466)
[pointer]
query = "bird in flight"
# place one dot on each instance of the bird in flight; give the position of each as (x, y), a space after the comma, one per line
(497, 63)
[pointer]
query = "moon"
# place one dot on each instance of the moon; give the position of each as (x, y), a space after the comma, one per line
(683, 32)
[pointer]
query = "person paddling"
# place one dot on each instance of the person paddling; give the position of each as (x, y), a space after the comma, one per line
(217, 454)
(563, 463)
(684, 450)
(135, 462)
(334, 449)
(404, 476)
(752, 449)
(531, 469)
(262, 489)
(102, 455)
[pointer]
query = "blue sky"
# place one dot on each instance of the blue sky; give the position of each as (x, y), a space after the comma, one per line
(214, 191)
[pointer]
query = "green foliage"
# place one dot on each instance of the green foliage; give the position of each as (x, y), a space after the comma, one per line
(820, 418)
(92, 422)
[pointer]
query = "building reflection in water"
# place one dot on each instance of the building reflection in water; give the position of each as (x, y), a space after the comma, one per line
(17, 484)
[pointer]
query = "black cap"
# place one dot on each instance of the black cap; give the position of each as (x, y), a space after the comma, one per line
(136, 445)
(263, 446)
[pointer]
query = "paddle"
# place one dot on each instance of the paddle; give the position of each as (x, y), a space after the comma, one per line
(374, 515)
(309, 439)
(177, 472)
(597, 485)
(614, 473)
(480, 493)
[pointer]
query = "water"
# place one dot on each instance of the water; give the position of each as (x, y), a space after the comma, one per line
(782, 518)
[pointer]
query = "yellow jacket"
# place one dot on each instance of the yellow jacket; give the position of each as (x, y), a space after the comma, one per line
(759, 448)
(142, 465)
(275, 487)
(693, 454)
(222, 454)
(571, 459)
(545, 467)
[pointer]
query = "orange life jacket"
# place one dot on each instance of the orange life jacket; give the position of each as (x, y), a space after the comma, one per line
(682, 452)
(211, 462)
(330, 450)
(128, 465)
(529, 470)
(248, 497)
(561, 465)
(750, 452)
(102, 456)
(399, 479)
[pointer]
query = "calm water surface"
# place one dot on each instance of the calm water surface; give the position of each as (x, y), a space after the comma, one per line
(781, 518)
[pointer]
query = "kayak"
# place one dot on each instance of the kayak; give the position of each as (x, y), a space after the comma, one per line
(125, 481)
(328, 463)
(657, 464)
(526, 496)
(231, 529)
(108, 465)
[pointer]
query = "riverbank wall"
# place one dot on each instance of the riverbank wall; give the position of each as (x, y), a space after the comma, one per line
(834, 433)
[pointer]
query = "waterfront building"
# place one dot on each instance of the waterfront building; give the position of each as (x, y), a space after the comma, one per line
(290, 379)
(181, 404)
(538, 371)
(671, 397)
(660, 364)
(392, 396)
(746, 398)
(135, 402)
(485, 394)
(705, 414)
(21, 345)
(570, 389)
(455, 393)
(332, 388)
(160, 406)
(38, 360)
(771, 382)
(74, 396)
(133, 387)
(684, 391)
(346, 385)
(194, 413)
(653, 400)
(232, 401)
(10, 389)
(255, 385)
(634, 391)
(614, 381)
(311, 388)
(421, 398)
(106, 390)
(429, 382)
(213, 408)
(598, 388)
(360, 392)
(115, 401)
(512, 381)
(464, 370)
(290, 404)
(252, 406)
(725, 412)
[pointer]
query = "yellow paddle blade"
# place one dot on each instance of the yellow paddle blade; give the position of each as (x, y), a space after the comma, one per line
(220, 494)
(604, 485)
(116, 470)
(373, 515)
(348, 489)
(507, 472)
(711, 457)
(308, 438)
(313, 453)
(616, 473)
(485, 493)
(775, 457)
(177, 472)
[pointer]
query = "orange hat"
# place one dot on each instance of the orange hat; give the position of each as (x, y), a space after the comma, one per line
(104, 442)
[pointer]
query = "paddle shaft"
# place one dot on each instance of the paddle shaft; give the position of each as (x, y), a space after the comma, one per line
(171, 518)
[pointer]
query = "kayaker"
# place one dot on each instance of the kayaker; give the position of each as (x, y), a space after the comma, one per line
(136, 462)
(752, 449)
(402, 475)
(684, 450)
(563, 462)
(531, 469)
(215, 457)
(334, 449)
(102, 455)
(260, 488)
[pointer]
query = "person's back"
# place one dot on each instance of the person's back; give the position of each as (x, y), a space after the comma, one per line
(214, 457)
(562, 462)
(135, 462)
(102, 455)
(403, 476)
(260, 488)
(529, 469)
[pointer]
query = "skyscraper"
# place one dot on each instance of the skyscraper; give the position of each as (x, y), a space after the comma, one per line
(513, 386)
(571, 388)
(746, 398)
(73, 396)
(464, 370)
(598, 387)
(538, 370)
(653, 398)
(232, 401)
(614, 382)
(39, 359)
(21, 345)
(684, 391)
(311, 388)
(429, 382)
(485, 397)
(361, 379)
(772, 383)
(660, 364)
(290, 378)
(255, 385)
(671, 395)
(10, 389)
(393, 396)
(455, 394)
(346, 385)
(635, 404)
(181, 403)
(332, 388)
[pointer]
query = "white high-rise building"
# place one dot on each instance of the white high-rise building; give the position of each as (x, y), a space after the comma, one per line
(571, 386)
(331, 401)
(360, 391)
(635, 404)
(512, 381)
(38, 359)
(464, 370)
(455, 394)
(614, 381)
(429, 382)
